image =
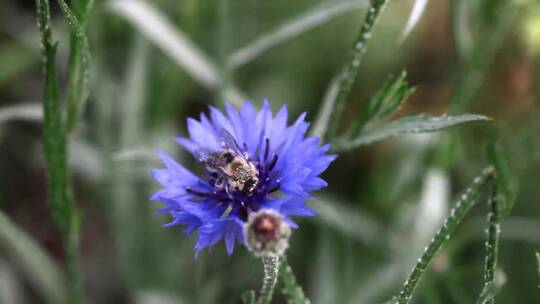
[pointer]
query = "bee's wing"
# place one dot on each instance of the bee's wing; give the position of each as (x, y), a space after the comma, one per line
(227, 141)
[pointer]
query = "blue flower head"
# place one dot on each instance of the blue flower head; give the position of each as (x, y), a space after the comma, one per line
(253, 160)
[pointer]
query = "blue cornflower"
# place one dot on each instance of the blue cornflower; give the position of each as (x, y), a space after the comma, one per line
(253, 160)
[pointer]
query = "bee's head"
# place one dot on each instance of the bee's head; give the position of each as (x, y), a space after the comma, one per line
(228, 157)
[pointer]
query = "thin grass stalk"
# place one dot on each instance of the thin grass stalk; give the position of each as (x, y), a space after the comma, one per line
(60, 194)
(464, 204)
(291, 289)
(271, 269)
(351, 67)
(492, 248)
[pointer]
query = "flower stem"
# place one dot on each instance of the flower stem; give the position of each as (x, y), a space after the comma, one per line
(63, 210)
(349, 71)
(271, 269)
(291, 289)
(466, 201)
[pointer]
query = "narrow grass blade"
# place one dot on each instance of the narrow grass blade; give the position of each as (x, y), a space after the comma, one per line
(154, 26)
(293, 28)
(63, 211)
(79, 59)
(406, 125)
(349, 71)
(492, 248)
(40, 269)
(31, 112)
(384, 103)
(291, 289)
(418, 10)
(463, 205)
(271, 269)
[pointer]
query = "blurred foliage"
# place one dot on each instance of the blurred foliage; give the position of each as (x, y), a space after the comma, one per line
(372, 225)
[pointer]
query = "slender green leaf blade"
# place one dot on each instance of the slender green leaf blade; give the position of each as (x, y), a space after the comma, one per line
(293, 28)
(407, 125)
(384, 103)
(174, 43)
(43, 273)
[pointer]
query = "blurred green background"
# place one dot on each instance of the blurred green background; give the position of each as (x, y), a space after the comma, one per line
(384, 202)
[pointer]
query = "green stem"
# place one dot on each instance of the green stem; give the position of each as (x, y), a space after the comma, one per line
(291, 289)
(350, 69)
(79, 59)
(492, 248)
(465, 203)
(63, 211)
(271, 269)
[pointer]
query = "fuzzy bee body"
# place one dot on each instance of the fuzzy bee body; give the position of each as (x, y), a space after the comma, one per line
(231, 167)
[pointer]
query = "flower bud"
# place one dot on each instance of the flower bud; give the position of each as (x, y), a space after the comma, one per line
(267, 234)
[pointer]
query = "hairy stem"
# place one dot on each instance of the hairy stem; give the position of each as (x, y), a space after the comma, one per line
(350, 69)
(492, 248)
(271, 269)
(63, 210)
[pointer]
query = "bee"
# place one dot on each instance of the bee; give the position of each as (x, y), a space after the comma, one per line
(230, 167)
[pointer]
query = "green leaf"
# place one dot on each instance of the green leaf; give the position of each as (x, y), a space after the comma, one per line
(406, 125)
(293, 28)
(463, 205)
(248, 297)
(41, 270)
(507, 181)
(384, 103)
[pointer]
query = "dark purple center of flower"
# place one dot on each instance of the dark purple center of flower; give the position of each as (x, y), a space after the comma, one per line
(241, 202)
